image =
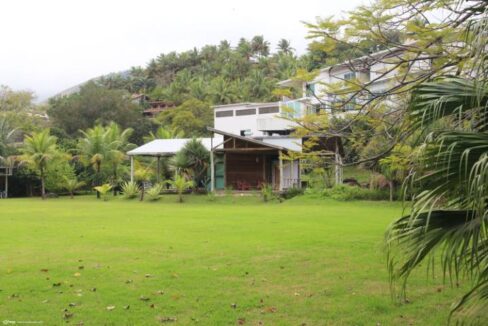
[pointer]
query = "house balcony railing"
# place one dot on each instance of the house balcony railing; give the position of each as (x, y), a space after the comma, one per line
(293, 109)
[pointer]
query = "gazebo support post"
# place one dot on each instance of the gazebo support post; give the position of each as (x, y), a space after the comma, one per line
(132, 169)
(158, 177)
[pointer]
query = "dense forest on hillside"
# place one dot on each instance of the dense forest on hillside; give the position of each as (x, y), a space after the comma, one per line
(218, 74)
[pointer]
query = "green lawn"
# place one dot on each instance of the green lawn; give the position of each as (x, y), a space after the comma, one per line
(228, 262)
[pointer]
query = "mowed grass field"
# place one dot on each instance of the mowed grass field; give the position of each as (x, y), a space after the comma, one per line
(234, 261)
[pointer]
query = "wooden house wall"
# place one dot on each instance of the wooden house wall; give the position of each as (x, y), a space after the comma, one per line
(248, 168)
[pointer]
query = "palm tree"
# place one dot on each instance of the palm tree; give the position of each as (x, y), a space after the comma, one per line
(117, 141)
(164, 133)
(222, 91)
(143, 174)
(181, 184)
(71, 185)
(259, 46)
(93, 149)
(196, 160)
(103, 189)
(6, 137)
(244, 48)
(39, 150)
(284, 46)
(449, 215)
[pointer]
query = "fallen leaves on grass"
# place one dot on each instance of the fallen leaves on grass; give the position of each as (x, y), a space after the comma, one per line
(76, 274)
(44, 270)
(68, 315)
(166, 319)
(269, 310)
(143, 298)
(110, 308)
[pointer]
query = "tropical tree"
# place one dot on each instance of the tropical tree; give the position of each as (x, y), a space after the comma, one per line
(180, 183)
(194, 159)
(222, 91)
(259, 46)
(6, 137)
(71, 185)
(39, 149)
(93, 149)
(284, 46)
(395, 167)
(142, 175)
(103, 190)
(117, 142)
(449, 215)
(164, 133)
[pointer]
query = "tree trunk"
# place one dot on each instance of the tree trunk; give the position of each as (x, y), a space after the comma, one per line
(98, 179)
(391, 189)
(71, 194)
(43, 188)
(142, 192)
(115, 181)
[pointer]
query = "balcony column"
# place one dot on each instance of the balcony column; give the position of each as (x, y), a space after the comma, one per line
(281, 171)
(212, 169)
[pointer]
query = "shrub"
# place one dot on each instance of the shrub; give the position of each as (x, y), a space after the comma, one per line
(344, 193)
(292, 192)
(266, 192)
(154, 192)
(103, 190)
(211, 196)
(130, 190)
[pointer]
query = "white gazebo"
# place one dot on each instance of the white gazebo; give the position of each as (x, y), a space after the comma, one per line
(165, 148)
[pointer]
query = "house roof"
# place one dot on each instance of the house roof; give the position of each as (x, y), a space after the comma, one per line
(245, 104)
(279, 143)
(169, 147)
(387, 52)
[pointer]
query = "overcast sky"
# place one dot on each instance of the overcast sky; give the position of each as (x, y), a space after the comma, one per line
(48, 46)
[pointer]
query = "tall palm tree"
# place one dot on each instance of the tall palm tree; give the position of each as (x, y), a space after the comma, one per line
(259, 46)
(39, 150)
(284, 46)
(93, 149)
(449, 215)
(117, 142)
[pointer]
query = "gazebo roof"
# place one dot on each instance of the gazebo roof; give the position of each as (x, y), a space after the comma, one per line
(169, 147)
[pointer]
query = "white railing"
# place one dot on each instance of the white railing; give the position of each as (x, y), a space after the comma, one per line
(292, 109)
(291, 183)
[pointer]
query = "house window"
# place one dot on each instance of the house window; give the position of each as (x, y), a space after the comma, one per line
(310, 89)
(350, 75)
(246, 112)
(272, 109)
(221, 114)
